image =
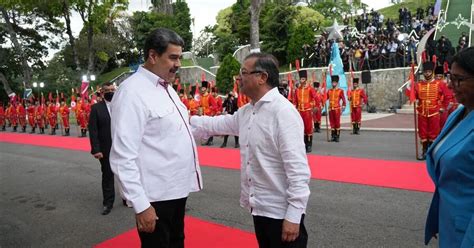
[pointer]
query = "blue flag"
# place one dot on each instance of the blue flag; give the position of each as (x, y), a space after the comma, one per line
(337, 68)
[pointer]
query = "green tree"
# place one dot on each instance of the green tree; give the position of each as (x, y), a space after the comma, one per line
(225, 74)
(276, 30)
(27, 26)
(182, 26)
(300, 35)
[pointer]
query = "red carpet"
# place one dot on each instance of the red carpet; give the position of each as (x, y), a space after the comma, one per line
(373, 172)
(199, 234)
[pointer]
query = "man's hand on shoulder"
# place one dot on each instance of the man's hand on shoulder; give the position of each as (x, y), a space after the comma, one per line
(146, 220)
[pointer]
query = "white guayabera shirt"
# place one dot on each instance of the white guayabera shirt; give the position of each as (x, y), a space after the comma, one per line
(153, 152)
(274, 167)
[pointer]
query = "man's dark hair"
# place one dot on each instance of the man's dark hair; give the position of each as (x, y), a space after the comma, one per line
(106, 84)
(465, 59)
(269, 64)
(159, 39)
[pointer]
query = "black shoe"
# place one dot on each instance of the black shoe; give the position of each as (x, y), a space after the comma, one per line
(124, 202)
(223, 145)
(237, 146)
(106, 210)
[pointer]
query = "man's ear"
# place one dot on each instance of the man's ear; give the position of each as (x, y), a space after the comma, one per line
(264, 77)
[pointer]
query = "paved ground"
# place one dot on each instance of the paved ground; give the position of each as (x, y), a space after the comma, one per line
(51, 198)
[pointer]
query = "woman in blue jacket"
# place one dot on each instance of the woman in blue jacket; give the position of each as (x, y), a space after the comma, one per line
(450, 162)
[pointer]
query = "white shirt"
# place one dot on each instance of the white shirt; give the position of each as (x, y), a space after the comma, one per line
(153, 151)
(108, 105)
(274, 167)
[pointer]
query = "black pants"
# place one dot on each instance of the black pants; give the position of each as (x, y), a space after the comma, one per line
(108, 190)
(268, 232)
(169, 229)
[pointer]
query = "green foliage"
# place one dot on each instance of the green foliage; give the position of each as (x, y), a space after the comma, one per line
(308, 17)
(182, 26)
(141, 23)
(233, 27)
(226, 72)
(300, 35)
(58, 76)
(275, 31)
(240, 21)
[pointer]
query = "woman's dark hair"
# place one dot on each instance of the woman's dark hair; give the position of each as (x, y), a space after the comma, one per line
(269, 64)
(159, 39)
(465, 59)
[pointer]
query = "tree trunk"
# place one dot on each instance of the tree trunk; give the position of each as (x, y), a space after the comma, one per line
(72, 42)
(255, 8)
(6, 86)
(90, 34)
(18, 49)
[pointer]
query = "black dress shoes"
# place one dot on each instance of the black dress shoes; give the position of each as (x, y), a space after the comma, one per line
(106, 210)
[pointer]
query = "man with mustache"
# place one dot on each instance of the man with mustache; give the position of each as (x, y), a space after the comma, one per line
(153, 153)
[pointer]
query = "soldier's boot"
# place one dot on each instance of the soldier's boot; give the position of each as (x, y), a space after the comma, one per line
(424, 149)
(317, 127)
(333, 135)
(305, 139)
(209, 141)
(3, 128)
(338, 133)
(310, 144)
(53, 131)
(14, 128)
(23, 129)
(354, 128)
(224, 144)
(42, 130)
(33, 130)
(84, 133)
(66, 132)
(236, 139)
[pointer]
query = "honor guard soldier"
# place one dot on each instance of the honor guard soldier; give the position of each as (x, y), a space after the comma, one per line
(64, 112)
(449, 101)
(193, 105)
(40, 116)
(207, 105)
(52, 116)
(13, 116)
(357, 98)
(31, 116)
(305, 99)
(21, 113)
(335, 96)
(318, 106)
(429, 94)
(2, 116)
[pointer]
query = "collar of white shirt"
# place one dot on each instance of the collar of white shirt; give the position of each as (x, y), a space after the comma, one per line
(269, 96)
(152, 77)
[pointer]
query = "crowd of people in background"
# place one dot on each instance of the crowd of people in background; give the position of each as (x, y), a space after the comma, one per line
(378, 43)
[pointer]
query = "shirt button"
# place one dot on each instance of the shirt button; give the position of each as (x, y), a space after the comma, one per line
(250, 180)
(253, 113)
(247, 145)
(251, 195)
(248, 162)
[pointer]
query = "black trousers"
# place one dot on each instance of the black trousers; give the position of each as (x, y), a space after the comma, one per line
(169, 229)
(268, 232)
(108, 190)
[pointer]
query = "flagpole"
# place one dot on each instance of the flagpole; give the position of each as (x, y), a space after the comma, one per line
(416, 129)
(327, 123)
